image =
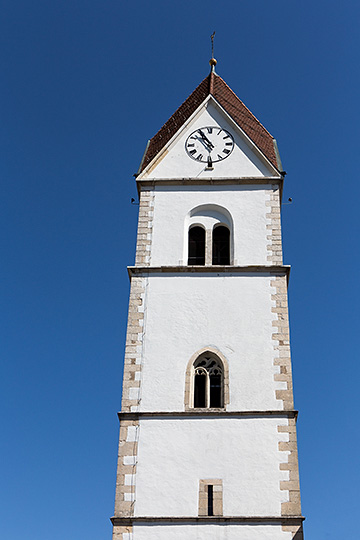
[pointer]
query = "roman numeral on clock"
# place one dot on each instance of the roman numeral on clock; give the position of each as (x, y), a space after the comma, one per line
(199, 157)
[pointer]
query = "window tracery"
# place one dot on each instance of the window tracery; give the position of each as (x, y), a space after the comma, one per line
(208, 382)
(207, 375)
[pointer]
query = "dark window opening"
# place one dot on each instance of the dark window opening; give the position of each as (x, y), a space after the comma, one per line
(210, 500)
(221, 245)
(215, 391)
(196, 246)
(208, 387)
(200, 390)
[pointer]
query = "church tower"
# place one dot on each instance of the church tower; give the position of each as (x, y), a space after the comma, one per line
(207, 424)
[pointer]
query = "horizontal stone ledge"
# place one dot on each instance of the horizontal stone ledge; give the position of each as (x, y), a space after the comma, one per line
(145, 182)
(272, 270)
(206, 413)
(255, 520)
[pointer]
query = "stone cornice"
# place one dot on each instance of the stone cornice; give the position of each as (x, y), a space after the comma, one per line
(261, 520)
(206, 413)
(211, 180)
(279, 270)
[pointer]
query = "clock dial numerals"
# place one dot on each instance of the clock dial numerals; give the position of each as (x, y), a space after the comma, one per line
(209, 142)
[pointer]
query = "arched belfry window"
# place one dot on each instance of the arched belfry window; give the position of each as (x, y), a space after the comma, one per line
(209, 236)
(208, 377)
(196, 246)
(221, 245)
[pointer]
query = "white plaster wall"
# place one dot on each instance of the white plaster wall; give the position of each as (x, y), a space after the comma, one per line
(207, 532)
(244, 161)
(174, 454)
(246, 205)
(187, 312)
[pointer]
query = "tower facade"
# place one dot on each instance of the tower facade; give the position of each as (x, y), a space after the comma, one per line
(207, 424)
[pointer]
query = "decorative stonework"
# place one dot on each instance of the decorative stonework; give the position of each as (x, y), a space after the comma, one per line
(133, 347)
(129, 429)
(122, 533)
(127, 460)
(144, 233)
(282, 361)
(296, 530)
(273, 227)
(189, 378)
(293, 506)
(281, 338)
(217, 496)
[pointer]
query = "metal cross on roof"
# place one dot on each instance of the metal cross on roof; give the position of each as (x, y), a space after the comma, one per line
(212, 60)
(212, 44)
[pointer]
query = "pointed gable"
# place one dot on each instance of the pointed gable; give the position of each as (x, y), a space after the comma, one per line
(245, 119)
(217, 87)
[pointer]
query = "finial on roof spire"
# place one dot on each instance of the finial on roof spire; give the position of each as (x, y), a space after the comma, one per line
(212, 62)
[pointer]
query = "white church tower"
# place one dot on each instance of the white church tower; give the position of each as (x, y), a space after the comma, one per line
(207, 424)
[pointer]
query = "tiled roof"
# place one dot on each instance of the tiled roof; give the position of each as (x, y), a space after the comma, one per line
(213, 84)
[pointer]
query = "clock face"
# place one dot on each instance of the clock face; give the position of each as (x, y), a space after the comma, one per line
(209, 142)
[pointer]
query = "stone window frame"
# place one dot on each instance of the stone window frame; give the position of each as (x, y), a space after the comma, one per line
(217, 484)
(189, 380)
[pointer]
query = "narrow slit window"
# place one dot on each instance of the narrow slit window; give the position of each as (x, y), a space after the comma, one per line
(196, 246)
(211, 497)
(221, 245)
(210, 500)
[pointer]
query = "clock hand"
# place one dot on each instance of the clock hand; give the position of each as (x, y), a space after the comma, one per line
(203, 136)
(206, 144)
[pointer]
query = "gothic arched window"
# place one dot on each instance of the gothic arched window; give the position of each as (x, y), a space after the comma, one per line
(221, 245)
(208, 382)
(196, 246)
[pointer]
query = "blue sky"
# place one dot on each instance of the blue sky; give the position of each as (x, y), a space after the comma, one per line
(84, 85)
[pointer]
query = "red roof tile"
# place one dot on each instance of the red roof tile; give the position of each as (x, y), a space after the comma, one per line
(232, 105)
